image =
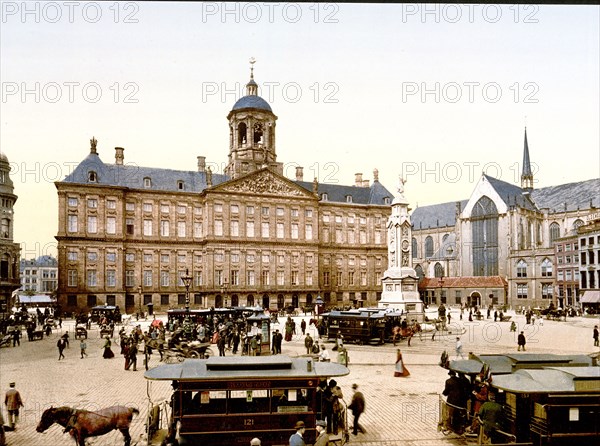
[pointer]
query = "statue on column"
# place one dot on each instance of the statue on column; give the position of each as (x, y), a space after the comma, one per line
(401, 183)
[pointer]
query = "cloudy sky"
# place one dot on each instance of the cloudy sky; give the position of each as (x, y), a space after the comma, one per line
(435, 93)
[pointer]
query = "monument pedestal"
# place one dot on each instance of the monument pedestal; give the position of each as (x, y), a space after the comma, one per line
(400, 293)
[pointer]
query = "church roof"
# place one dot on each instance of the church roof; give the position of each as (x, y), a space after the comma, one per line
(252, 101)
(435, 215)
(568, 197)
(511, 194)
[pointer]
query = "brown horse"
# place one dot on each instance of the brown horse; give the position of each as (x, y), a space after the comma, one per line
(84, 423)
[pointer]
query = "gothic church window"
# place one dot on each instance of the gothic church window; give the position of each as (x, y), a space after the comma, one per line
(554, 232)
(521, 268)
(415, 252)
(546, 268)
(484, 230)
(577, 223)
(438, 270)
(428, 246)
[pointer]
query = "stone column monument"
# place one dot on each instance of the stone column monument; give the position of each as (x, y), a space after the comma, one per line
(400, 280)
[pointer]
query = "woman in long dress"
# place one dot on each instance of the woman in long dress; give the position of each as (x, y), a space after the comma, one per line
(108, 353)
(400, 369)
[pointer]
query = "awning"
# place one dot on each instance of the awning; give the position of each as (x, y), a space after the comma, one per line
(590, 297)
(36, 299)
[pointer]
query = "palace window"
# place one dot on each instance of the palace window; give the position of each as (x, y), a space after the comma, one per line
(111, 278)
(547, 291)
(72, 201)
(111, 225)
(521, 268)
(522, 290)
(72, 223)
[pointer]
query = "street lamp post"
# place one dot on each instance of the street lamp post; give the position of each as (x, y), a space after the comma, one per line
(140, 300)
(187, 323)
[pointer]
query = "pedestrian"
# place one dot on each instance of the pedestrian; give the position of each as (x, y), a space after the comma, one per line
(595, 336)
(236, 340)
(303, 327)
(2, 436)
(125, 353)
(459, 348)
(254, 346)
(521, 341)
(66, 338)
(221, 344)
(308, 343)
(108, 353)
(322, 436)
(255, 442)
(297, 439)
(279, 341)
(61, 344)
(13, 402)
(453, 391)
(324, 356)
(16, 336)
(400, 369)
(491, 415)
(357, 406)
(133, 351)
(83, 347)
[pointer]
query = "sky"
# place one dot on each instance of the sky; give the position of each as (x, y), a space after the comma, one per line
(435, 93)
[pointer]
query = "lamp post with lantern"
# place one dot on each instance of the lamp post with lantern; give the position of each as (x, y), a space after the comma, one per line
(187, 323)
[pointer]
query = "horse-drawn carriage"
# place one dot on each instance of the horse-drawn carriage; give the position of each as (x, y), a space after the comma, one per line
(6, 340)
(107, 330)
(81, 332)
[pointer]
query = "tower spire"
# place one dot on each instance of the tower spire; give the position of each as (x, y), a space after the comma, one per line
(526, 174)
(251, 86)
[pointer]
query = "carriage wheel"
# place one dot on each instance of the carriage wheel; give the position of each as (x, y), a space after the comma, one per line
(193, 354)
(208, 352)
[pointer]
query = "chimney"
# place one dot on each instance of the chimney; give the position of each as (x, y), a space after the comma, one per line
(299, 173)
(358, 181)
(119, 157)
(376, 175)
(201, 164)
(365, 183)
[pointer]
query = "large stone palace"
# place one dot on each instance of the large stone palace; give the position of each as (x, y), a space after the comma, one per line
(127, 234)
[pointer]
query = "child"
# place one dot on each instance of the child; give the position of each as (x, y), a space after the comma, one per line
(83, 346)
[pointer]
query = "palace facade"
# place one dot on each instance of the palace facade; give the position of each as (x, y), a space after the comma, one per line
(248, 236)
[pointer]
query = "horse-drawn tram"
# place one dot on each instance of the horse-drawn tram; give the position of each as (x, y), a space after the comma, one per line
(544, 399)
(362, 326)
(230, 400)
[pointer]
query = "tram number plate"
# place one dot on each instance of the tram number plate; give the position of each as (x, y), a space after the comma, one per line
(248, 422)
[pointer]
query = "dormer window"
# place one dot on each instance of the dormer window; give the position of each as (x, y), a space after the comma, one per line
(92, 176)
(386, 200)
(324, 196)
(147, 182)
(348, 198)
(180, 185)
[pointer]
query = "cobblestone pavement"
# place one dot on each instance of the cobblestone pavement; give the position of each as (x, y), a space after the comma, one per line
(400, 411)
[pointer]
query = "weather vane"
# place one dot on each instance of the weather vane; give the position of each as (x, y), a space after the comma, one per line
(252, 62)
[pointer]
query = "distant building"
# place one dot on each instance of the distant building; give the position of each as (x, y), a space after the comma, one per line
(589, 262)
(39, 275)
(249, 236)
(9, 251)
(505, 232)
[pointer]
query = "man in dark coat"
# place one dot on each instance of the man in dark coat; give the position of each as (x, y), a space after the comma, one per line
(357, 406)
(521, 341)
(454, 393)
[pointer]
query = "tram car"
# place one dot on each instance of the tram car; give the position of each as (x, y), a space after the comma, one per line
(547, 399)
(361, 326)
(227, 401)
(111, 312)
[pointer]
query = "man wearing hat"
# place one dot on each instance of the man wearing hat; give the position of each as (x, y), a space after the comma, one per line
(13, 402)
(322, 437)
(454, 398)
(357, 406)
(297, 439)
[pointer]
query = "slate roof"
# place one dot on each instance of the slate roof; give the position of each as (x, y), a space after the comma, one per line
(568, 197)
(132, 176)
(435, 215)
(375, 194)
(561, 198)
(252, 101)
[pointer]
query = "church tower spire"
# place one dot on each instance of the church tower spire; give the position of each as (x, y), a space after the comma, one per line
(526, 174)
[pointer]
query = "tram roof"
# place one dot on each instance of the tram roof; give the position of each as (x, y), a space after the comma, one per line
(551, 379)
(218, 368)
(366, 313)
(509, 363)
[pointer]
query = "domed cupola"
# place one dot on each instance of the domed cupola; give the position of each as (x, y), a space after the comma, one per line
(251, 133)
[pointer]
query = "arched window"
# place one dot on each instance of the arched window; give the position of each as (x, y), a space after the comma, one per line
(554, 232)
(250, 300)
(241, 134)
(484, 230)
(5, 228)
(92, 177)
(521, 268)
(258, 133)
(147, 182)
(428, 246)
(438, 270)
(546, 268)
(235, 301)
(577, 223)
(419, 272)
(415, 250)
(445, 237)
